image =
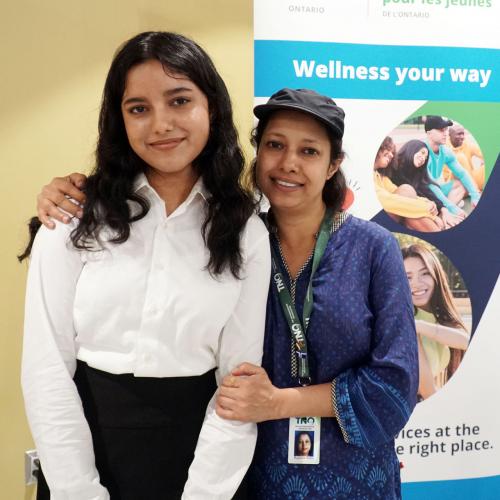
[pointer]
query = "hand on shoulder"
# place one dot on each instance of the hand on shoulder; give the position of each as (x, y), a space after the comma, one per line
(61, 200)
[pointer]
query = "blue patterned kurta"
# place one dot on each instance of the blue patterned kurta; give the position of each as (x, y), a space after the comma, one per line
(361, 333)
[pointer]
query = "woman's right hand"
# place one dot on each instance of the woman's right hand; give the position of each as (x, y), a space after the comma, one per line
(61, 199)
(247, 394)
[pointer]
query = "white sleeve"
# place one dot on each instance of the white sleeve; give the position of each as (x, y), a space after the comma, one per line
(225, 448)
(53, 406)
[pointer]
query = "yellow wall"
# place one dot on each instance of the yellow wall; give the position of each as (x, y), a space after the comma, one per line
(54, 57)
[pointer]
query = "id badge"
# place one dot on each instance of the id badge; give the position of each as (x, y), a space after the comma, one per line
(304, 438)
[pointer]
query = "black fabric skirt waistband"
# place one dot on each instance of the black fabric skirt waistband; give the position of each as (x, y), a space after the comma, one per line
(127, 401)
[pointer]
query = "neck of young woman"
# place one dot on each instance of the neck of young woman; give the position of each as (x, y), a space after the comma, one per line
(172, 187)
(427, 308)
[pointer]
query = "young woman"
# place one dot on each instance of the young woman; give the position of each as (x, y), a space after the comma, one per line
(410, 168)
(134, 310)
(349, 364)
(442, 336)
(402, 202)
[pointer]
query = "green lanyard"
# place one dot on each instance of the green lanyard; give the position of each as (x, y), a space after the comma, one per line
(298, 329)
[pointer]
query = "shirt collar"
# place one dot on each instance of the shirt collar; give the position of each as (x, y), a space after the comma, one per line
(141, 183)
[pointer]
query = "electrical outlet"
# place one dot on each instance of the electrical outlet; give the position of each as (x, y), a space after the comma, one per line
(31, 466)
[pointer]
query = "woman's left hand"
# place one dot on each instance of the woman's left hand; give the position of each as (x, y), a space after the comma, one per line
(247, 395)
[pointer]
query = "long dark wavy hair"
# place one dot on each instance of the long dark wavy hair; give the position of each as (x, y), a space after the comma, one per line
(109, 188)
(403, 171)
(335, 188)
(441, 303)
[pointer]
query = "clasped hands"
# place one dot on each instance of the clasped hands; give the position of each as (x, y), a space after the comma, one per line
(247, 395)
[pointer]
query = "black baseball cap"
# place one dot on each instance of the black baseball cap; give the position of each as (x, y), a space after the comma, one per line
(436, 122)
(319, 106)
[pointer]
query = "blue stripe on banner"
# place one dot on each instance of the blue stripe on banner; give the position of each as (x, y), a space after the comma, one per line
(482, 488)
(358, 71)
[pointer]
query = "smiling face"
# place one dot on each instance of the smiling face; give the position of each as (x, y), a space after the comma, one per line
(166, 118)
(457, 135)
(294, 161)
(421, 281)
(420, 157)
(304, 445)
(383, 159)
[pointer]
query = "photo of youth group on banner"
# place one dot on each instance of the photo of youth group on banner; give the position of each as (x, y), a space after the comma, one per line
(420, 85)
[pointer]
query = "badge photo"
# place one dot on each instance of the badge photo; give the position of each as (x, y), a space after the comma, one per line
(304, 440)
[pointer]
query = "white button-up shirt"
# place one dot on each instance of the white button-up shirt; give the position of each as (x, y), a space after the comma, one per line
(148, 307)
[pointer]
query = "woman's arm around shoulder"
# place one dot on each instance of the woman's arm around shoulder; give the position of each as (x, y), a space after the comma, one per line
(61, 199)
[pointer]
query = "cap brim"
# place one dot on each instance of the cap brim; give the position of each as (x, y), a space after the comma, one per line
(262, 110)
(438, 126)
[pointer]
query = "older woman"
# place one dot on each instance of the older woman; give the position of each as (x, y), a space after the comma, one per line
(340, 351)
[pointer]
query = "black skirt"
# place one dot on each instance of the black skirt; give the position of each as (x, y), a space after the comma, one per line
(144, 430)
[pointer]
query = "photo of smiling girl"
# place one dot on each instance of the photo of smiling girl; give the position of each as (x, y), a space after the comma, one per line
(442, 317)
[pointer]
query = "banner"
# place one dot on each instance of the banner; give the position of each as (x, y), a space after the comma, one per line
(419, 81)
